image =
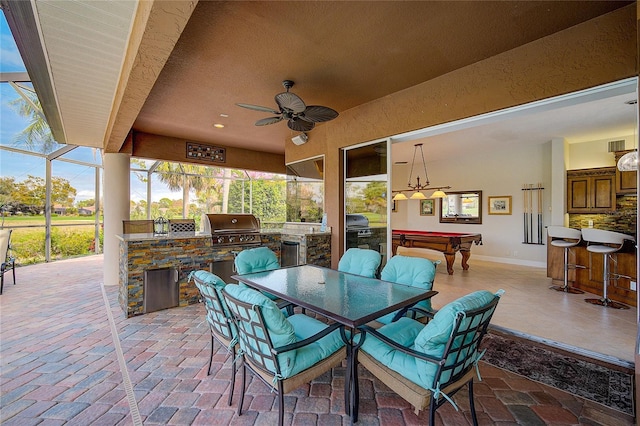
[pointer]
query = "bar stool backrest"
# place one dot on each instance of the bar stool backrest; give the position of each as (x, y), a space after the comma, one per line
(564, 232)
(606, 237)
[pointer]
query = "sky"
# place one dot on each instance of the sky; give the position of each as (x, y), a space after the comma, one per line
(19, 166)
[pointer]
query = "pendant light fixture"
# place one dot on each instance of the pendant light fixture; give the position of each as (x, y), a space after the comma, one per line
(629, 161)
(418, 188)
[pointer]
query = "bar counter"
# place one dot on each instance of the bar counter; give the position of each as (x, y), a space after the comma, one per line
(589, 279)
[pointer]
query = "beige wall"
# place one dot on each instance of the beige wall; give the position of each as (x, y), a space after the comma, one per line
(599, 51)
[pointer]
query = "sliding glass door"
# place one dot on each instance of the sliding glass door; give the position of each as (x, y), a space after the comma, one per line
(366, 197)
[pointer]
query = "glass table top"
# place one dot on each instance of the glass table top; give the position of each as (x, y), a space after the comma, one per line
(350, 299)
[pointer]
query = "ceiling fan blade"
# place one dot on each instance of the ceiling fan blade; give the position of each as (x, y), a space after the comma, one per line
(300, 125)
(318, 114)
(259, 108)
(268, 120)
(290, 101)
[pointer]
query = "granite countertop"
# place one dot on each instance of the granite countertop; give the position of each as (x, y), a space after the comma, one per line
(184, 235)
(169, 236)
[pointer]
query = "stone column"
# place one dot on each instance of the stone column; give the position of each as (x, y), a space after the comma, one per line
(116, 209)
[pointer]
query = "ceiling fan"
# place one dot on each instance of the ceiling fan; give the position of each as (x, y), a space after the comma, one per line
(300, 117)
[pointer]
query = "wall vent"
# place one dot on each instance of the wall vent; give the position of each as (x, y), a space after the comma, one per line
(616, 145)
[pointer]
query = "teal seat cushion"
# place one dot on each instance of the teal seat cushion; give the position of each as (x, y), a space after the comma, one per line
(359, 261)
(429, 339)
(315, 352)
(256, 260)
(411, 271)
(404, 331)
(280, 330)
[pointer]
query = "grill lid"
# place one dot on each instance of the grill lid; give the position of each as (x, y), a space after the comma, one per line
(228, 223)
(356, 221)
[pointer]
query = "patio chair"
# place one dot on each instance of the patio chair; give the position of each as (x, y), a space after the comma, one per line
(137, 226)
(260, 259)
(284, 353)
(411, 271)
(427, 364)
(359, 261)
(221, 326)
(8, 261)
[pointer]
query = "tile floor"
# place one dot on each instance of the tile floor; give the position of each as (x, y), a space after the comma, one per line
(60, 365)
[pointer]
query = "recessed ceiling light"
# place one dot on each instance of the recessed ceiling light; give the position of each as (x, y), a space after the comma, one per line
(218, 125)
(224, 115)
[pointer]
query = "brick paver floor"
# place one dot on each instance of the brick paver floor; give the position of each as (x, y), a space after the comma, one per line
(59, 365)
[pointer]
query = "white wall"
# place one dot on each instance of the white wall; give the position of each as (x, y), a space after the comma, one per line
(592, 154)
(504, 172)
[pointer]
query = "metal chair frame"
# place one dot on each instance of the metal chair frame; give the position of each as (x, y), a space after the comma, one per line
(221, 327)
(252, 335)
(459, 358)
(8, 261)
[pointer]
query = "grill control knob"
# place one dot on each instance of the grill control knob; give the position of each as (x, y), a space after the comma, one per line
(220, 240)
(231, 239)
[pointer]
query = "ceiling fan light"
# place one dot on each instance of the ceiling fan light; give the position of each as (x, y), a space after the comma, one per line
(628, 162)
(438, 194)
(399, 197)
(418, 196)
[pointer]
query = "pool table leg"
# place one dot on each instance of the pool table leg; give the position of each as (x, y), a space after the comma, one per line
(466, 254)
(450, 259)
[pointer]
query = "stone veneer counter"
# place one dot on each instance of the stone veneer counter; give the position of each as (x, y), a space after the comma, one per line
(184, 251)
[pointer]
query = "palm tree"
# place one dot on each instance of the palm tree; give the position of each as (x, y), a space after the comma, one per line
(37, 135)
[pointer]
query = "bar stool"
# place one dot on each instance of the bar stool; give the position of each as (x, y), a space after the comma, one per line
(605, 243)
(565, 238)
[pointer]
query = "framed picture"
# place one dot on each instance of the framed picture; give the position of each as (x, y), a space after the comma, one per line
(427, 207)
(500, 204)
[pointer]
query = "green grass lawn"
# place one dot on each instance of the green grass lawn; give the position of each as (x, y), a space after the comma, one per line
(28, 237)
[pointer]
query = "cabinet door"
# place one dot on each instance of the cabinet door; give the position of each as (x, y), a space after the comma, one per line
(626, 182)
(603, 194)
(578, 198)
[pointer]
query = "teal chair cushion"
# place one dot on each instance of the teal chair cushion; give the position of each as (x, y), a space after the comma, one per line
(429, 339)
(280, 330)
(311, 354)
(284, 331)
(434, 336)
(256, 260)
(411, 271)
(359, 261)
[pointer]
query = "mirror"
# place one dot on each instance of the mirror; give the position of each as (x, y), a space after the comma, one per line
(305, 190)
(461, 207)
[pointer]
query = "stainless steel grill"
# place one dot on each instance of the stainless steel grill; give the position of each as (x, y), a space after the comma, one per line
(232, 229)
(357, 224)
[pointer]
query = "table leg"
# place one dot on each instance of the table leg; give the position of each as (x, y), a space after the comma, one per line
(466, 254)
(351, 386)
(450, 258)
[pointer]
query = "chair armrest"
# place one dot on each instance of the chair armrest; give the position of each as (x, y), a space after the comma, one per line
(404, 349)
(308, 340)
(428, 314)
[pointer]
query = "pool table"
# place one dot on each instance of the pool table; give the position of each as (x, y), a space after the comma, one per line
(446, 242)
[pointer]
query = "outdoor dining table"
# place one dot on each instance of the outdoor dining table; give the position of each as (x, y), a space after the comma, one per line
(348, 299)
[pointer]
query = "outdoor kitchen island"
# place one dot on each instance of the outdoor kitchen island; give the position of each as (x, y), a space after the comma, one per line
(169, 259)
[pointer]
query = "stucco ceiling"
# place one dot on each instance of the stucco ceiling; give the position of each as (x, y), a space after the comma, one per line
(110, 69)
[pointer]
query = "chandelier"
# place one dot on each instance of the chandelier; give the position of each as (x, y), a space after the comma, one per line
(418, 187)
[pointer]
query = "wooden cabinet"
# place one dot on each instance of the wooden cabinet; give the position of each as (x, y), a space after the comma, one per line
(591, 190)
(626, 182)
